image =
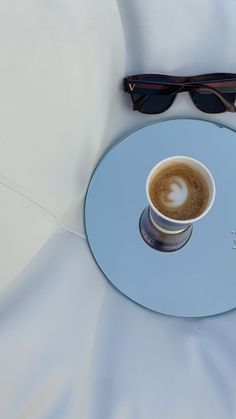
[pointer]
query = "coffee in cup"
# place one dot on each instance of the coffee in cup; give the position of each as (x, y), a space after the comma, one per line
(180, 191)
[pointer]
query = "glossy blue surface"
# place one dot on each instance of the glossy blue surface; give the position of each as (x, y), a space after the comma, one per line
(197, 280)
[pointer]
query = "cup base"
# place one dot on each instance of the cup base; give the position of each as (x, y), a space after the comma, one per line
(160, 240)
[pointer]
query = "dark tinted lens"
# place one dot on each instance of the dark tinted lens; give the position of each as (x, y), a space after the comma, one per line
(152, 103)
(210, 103)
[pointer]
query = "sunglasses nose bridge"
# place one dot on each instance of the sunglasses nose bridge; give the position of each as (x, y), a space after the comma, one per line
(186, 88)
(182, 88)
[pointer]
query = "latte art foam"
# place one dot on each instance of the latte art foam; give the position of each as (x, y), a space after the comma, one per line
(176, 194)
(179, 191)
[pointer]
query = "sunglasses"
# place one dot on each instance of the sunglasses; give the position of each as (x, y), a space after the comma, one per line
(155, 93)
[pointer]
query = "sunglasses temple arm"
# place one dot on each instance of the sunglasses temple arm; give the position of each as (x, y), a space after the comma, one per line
(229, 106)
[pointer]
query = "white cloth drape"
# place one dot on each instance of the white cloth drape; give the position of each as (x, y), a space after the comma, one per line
(70, 345)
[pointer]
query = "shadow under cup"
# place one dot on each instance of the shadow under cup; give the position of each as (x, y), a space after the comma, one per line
(161, 232)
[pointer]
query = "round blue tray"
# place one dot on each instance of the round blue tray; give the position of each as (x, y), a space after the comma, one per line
(197, 280)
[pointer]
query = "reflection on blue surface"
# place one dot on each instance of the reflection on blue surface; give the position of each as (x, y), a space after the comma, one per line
(160, 241)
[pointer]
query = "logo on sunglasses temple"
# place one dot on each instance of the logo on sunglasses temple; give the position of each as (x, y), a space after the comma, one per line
(132, 86)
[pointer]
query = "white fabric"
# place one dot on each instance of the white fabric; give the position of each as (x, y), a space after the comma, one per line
(72, 346)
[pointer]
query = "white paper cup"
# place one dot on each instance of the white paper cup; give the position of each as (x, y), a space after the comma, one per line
(161, 221)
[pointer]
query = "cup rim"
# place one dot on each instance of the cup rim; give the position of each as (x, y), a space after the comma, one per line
(173, 220)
